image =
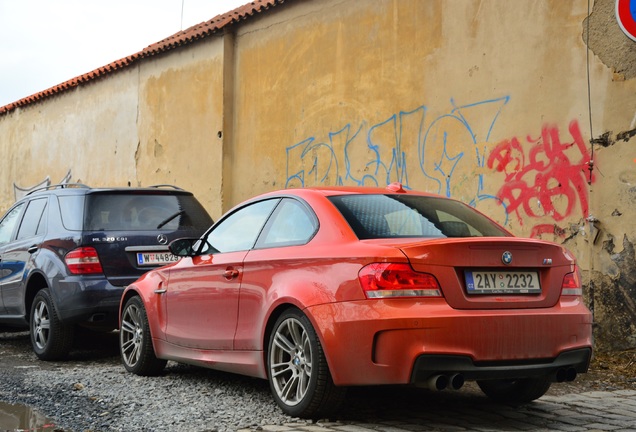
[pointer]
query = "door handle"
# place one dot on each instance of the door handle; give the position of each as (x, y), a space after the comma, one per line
(230, 274)
(32, 249)
(160, 289)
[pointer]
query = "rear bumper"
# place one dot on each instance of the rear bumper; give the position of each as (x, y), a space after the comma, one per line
(89, 300)
(559, 368)
(372, 342)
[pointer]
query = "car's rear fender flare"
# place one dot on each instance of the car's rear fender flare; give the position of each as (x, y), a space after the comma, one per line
(35, 282)
(275, 314)
(51, 259)
(269, 327)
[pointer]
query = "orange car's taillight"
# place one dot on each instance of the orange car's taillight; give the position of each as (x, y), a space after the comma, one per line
(391, 280)
(572, 284)
(83, 260)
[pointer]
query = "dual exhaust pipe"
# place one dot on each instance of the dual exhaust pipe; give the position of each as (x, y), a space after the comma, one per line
(456, 381)
(565, 374)
(440, 382)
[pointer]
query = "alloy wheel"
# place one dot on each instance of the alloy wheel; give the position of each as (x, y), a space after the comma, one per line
(131, 335)
(290, 362)
(41, 325)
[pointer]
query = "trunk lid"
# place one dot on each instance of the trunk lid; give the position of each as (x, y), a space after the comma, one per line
(493, 273)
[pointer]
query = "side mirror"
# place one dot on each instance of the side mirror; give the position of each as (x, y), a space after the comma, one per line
(183, 247)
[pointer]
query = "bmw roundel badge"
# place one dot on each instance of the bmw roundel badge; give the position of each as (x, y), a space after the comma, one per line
(506, 258)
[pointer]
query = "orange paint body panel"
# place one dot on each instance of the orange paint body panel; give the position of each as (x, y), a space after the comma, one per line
(372, 342)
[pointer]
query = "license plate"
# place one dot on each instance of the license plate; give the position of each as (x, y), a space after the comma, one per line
(502, 282)
(155, 258)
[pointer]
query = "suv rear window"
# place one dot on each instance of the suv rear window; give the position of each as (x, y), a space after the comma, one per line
(133, 212)
(392, 216)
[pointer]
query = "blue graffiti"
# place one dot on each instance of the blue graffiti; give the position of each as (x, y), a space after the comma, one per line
(449, 148)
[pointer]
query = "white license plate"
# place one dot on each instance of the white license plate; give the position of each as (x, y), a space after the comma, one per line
(155, 258)
(502, 282)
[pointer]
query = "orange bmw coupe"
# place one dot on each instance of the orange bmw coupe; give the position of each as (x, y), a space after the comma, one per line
(319, 289)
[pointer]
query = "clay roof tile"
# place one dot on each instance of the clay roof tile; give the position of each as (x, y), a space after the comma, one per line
(179, 39)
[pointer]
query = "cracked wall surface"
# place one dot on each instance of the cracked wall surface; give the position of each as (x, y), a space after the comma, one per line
(608, 42)
(615, 298)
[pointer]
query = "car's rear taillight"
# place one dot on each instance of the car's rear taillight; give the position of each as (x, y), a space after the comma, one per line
(572, 284)
(83, 260)
(391, 280)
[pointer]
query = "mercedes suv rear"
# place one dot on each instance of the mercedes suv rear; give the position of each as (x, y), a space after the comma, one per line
(67, 252)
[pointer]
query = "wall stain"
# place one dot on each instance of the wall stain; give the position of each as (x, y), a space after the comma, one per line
(615, 311)
(607, 40)
(626, 135)
(604, 140)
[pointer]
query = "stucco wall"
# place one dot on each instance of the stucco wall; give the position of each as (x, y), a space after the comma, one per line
(91, 131)
(180, 117)
(486, 102)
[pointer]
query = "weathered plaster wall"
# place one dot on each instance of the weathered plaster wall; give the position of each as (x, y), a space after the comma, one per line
(444, 96)
(181, 122)
(486, 102)
(90, 131)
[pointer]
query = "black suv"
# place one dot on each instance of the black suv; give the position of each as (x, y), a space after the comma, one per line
(67, 252)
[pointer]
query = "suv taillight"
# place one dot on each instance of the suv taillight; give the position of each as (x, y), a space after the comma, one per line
(83, 260)
(571, 285)
(391, 280)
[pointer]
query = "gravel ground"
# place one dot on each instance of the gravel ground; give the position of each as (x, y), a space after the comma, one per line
(93, 392)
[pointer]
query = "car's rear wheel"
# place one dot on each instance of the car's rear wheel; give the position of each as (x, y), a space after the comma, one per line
(298, 373)
(51, 338)
(515, 391)
(135, 343)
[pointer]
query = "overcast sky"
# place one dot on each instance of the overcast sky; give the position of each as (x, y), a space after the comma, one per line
(46, 42)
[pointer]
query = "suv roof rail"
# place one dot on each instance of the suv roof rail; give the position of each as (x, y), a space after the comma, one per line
(59, 186)
(166, 186)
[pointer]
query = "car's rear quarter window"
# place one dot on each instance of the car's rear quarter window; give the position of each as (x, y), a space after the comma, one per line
(72, 210)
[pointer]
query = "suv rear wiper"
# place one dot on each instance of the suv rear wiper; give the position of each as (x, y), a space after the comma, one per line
(169, 218)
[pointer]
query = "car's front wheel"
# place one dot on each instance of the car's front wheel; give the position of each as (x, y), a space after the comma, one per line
(51, 338)
(135, 343)
(298, 373)
(515, 391)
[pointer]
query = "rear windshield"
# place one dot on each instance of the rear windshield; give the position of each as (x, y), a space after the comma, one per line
(394, 216)
(133, 212)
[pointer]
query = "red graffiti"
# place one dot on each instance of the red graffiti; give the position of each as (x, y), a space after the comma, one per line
(537, 230)
(544, 176)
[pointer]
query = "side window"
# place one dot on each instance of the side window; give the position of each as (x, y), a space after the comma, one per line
(33, 221)
(9, 222)
(239, 231)
(291, 224)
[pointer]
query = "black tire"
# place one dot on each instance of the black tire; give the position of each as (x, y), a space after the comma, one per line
(51, 339)
(518, 391)
(298, 373)
(135, 342)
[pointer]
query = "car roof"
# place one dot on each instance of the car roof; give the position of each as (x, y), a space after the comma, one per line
(393, 188)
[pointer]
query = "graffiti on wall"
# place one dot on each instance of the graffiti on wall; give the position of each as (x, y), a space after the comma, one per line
(19, 192)
(544, 176)
(453, 154)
